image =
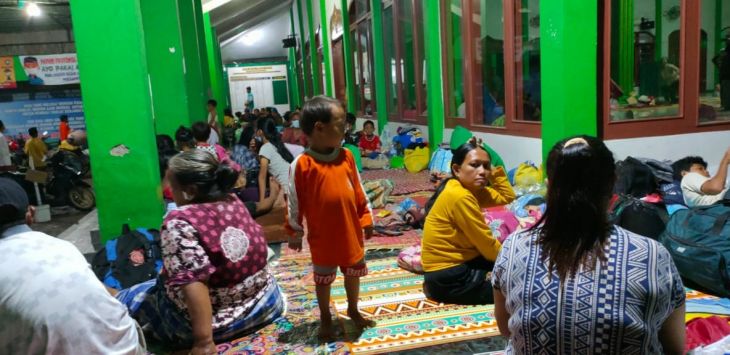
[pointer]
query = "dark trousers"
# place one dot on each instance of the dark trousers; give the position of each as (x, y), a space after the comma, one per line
(725, 93)
(465, 284)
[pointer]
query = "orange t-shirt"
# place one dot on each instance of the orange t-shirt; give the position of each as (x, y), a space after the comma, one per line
(64, 130)
(326, 191)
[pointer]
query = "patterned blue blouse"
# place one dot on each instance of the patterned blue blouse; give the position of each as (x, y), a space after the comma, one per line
(244, 157)
(618, 307)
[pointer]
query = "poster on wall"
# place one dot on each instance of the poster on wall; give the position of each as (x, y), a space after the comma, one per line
(268, 85)
(19, 116)
(55, 69)
(7, 73)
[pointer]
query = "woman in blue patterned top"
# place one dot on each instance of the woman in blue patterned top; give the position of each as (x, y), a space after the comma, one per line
(575, 283)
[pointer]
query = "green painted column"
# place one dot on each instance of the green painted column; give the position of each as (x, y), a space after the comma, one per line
(305, 89)
(195, 72)
(316, 83)
(326, 49)
(624, 44)
(381, 93)
(658, 30)
(203, 52)
(347, 49)
(215, 67)
(113, 68)
(434, 74)
(718, 37)
(165, 64)
(294, 97)
(568, 47)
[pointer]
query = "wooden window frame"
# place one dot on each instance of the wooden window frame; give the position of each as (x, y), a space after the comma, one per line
(399, 116)
(689, 84)
(472, 96)
(354, 27)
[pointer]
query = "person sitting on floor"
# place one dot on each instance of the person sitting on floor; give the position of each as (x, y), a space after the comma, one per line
(274, 156)
(184, 140)
(351, 135)
(369, 143)
(50, 300)
(293, 134)
(458, 249)
(575, 283)
(201, 133)
(215, 285)
(698, 188)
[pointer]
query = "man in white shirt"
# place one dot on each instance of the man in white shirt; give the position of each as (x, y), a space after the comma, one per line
(50, 300)
(698, 188)
(213, 122)
(6, 163)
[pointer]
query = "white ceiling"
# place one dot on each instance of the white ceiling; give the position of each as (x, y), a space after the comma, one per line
(268, 44)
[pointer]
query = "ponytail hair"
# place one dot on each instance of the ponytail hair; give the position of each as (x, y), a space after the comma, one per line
(198, 167)
(459, 155)
(268, 126)
(575, 227)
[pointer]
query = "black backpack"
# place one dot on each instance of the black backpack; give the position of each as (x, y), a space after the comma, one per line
(634, 178)
(133, 257)
(640, 217)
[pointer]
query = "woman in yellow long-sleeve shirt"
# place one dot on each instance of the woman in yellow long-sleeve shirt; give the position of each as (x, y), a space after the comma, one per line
(458, 249)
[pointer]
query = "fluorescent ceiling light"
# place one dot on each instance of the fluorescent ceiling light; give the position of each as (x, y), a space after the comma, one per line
(212, 4)
(32, 9)
(251, 37)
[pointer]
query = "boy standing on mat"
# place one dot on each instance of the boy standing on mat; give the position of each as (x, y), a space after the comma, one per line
(325, 190)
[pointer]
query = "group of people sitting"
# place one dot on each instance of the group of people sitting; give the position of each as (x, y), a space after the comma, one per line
(574, 283)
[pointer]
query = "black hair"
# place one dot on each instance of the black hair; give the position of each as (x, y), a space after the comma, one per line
(10, 216)
(33, 132)
(2, 125)
(459, 155)
(165, 142)
(201, 131)
(247, 135)
(369, 122)
(30, 60)
(248, 88)
(213, 103)
(685, 164)
(64, 118)
(575, 225)
(198, 167)
(238, 113)
(318, 109)
(164, 157)
(268, 126)
(228, 112)
(184, 138)
(350, 118)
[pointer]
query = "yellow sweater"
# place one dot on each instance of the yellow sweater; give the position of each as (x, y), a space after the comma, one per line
(455, 231)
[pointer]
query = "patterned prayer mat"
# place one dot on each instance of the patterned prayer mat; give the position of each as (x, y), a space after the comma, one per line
(403, 181)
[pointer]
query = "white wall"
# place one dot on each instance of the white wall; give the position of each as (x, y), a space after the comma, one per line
(710, 145)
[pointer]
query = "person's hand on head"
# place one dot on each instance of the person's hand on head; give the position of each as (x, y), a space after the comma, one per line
(727, 155)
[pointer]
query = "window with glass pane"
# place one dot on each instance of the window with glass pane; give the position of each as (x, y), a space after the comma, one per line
(489, 79)
(527, 60)
(421, 55)
(715, 61)
(390, 60)
(456, 101)
(407, 63)
(645, 59)
(366, 67)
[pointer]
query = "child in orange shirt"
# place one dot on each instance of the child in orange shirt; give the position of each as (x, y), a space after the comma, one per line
(325, 189)
(64, 129)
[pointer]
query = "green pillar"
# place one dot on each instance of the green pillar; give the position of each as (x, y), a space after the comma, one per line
(110, 44)
(215, 67)
(347, 58)
(718, 38)
(658, 30)
(316, 83)
(622, 44)
(381, 93)
(434, 74)
(195, 72)
(301, 49)
(326, 49)
(569, 43)
(165, 65)
(203, 52)
(294, 98)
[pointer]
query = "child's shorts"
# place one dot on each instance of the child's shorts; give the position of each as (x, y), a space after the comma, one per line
(325, 275)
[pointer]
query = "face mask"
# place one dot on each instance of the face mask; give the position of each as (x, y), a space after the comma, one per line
(258, 139)
(31, 71)
(295, 124)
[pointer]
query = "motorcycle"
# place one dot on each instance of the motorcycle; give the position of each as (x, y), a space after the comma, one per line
(66, 185)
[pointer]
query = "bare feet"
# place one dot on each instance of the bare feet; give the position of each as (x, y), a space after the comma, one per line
(359, 320)
(326, 331)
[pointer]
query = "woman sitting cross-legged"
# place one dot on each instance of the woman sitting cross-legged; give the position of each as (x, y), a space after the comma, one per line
(458, 249)
(575, 283)
(215, 284)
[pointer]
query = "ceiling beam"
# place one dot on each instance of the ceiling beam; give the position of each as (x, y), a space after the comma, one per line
(233, 33)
